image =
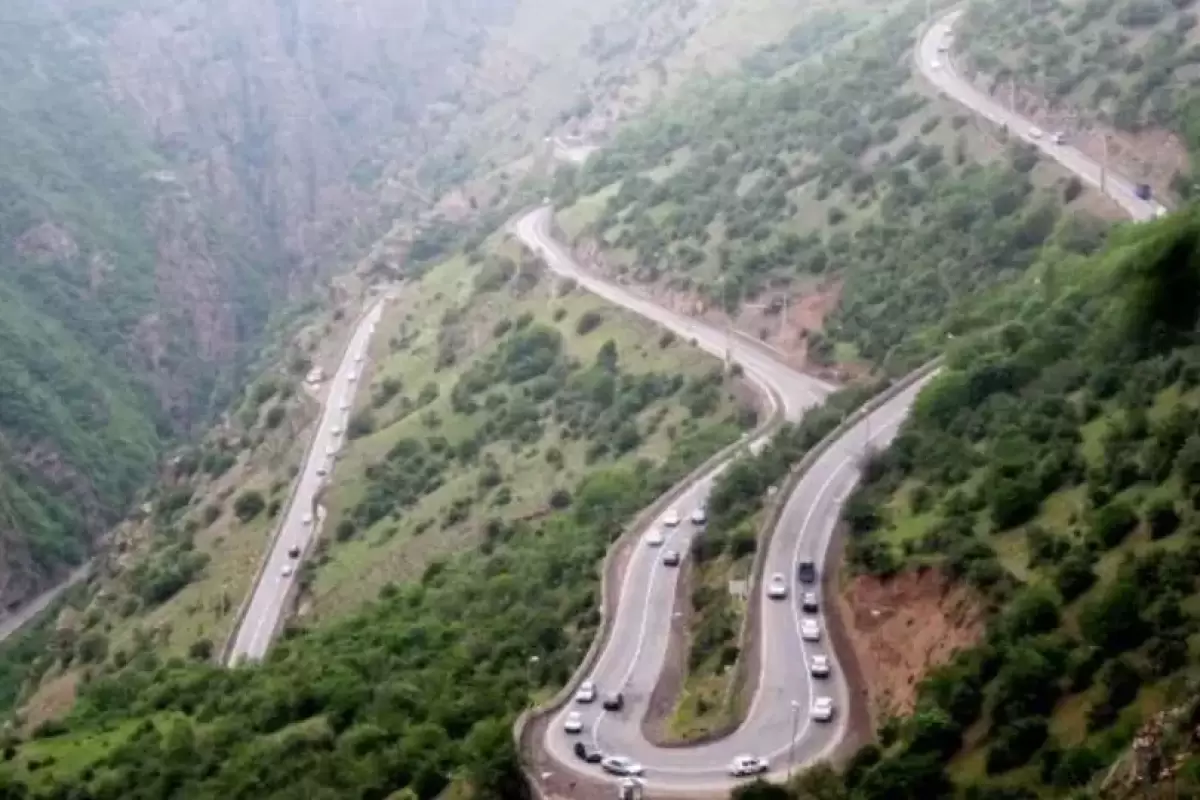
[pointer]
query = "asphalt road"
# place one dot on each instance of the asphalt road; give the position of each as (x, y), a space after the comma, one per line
(938, 70)
(270, 594)
(13, 621)
(778, 726)
(634, 656)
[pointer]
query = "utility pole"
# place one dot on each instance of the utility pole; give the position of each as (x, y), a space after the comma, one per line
(792, 741)
(1104, 162)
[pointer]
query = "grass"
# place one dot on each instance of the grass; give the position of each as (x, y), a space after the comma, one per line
(399, 549)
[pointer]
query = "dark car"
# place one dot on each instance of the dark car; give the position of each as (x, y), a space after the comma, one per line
(806, 572)
(671, 558)
(614, 702)
(1143, 191)
(294, 551)
(809, 603)
(586, 755)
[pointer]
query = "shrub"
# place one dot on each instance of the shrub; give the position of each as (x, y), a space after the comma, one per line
(248, 505)
(588, 322)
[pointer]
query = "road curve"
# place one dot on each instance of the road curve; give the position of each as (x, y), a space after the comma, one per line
(270, 593)
(777, 726)
(931, 59)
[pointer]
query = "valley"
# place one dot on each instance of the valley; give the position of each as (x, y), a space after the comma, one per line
(733, 246)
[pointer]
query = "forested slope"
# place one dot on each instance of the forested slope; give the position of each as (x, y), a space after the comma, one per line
(1053, 467)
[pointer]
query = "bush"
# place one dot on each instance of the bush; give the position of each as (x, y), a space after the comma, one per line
(588, 321)
(560, 498)
(275, 417)
(248, 505)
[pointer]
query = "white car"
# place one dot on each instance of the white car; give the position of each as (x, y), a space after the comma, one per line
(359, 358)
(353, 376)
(330, 450)
(743, 766)
(345, 405)
(777, 588)
(655, 538)
(822, 709)
(810, 631)
(620, 765)
(586, 692)
(1060, 137)
(337, 430)
(287, 570)
(699, 516)
(573, 723)
(936, 64)
(672, 518)
(818, 667)
(1035, 133)
(308, 518)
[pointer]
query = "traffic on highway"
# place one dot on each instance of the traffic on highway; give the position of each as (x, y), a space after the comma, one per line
(299, 526)
(799, 713)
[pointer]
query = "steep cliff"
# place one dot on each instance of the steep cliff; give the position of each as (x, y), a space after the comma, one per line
(170, 173)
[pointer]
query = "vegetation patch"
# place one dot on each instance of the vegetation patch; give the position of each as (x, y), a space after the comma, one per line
(496, 391)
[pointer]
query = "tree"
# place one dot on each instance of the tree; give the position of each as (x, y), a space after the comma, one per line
(759, 789)
(248, 505)
(1113, 622)
(1162, 518)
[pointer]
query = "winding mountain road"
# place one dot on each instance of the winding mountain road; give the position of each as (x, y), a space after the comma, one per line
(778, 725)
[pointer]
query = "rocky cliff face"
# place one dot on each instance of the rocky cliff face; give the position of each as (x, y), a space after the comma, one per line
(170, 172)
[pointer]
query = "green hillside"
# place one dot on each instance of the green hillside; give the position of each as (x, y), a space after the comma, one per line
(1053, 467)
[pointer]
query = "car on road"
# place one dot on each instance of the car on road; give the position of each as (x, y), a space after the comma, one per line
(1142, 190)
(810, 631)
(809, 603)
(655, 538)
(614, 702)
(330, 450)
(586, 755)
(620, 765)
(806, 572)
(321, 471)
(744, 766)
(345, 406)
(287, 570)
(777, 588)
(586, 692)
(1060, 137)
(1035, 133)
(822, 709)
(672, 518)
(944, 47)
(337, 430)
(573, 723)
(936, 64)
(671, 558)
(307, 519)
(818, 666)
(358, 359)
(294, 551)
(353, 376)
(699, 515)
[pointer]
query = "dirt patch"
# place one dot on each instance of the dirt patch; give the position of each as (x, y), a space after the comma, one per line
(667, 691)
(52, 700)
(1152, 155)
(780, 319)
(901, 627)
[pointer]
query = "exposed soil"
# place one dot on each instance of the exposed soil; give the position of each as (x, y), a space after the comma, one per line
(52, 700)
(901, 627)
(779, 319)
(667, 691)
(1151, 156)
